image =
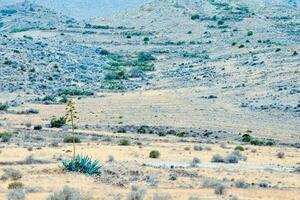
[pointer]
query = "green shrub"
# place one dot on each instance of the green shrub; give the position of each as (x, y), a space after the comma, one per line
(195, 16)
(239, 148)
(182, 134)
(143, 129)
(217, 158)
(75, 92)
(246, 138)
(70, 138)
(57, 122)
(6, 136)
(15, 185)
(154, 154)
(3, 107)
(250, 33)
(124, 142)
(82, 164)
(144, 57)
(146, 39)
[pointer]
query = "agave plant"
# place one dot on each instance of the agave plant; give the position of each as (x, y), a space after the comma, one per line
(82, 164)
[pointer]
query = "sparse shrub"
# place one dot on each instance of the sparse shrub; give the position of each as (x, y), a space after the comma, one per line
(280, 155)
(182, 134)
(195, 162)
(38, 127)
(220, 189)
(110, 158)
(231, 158)
(198, 148)
(217, 158)
(161, 197)
(124, 142)
(82, 164)
(195, 16)
(15, 185)
(16, 195)
(75, 92)
(12, 173)
(143, 129)
(264, 184)
(67, 193)
(250, 33)
(172, 177)
(136, 193)
(70, 139)
(3, 107)
(241, 184)
(6, 136)
(239, 148)
(144, 57)
(57, 122)
(223, 145)
(154, 154)
(28, 124)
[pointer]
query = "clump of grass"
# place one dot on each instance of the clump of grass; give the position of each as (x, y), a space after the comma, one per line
(280, 155)
(12, 174)
(6, 136)
(15, 185)
(220, 189)
(124, 142)
(67, 193)
(57, 122)
(16, 194)
(217, 158)
(70, 139)
(82, 164)
(154, 154)
(241, 184)
(195, 162)
(198, 148)
(136, 193)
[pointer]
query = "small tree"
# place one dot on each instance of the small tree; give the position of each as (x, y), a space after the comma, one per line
(71, 116)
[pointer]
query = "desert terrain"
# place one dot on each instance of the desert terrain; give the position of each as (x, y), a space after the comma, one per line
(175, 99)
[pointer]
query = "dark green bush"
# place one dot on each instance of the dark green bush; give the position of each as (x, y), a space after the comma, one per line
(124, 142)
(154, 154)
(82, 164)
(250, 33)
(144, 57)
(3, 107)
(70, 139)
(239, 148)
(57, 122)
(195, 16)
(75, 92)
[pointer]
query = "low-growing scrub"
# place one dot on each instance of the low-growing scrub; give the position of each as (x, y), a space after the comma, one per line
(16, 194)
(57, 122)
(154, 154)
(217, 158)
(3, 107)
(71, 139)
(15, 185)
(6, 136)
(82, 164)
(136, 193)
(12, 174)
(75, 92)
(124, 142)
(68, 193)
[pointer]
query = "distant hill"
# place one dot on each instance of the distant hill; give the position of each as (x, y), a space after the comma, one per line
(83, 9)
